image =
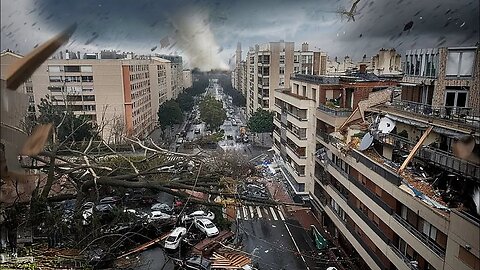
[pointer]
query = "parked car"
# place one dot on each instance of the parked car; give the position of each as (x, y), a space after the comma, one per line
(157, 215)
(173, 240)
(110, 200)
(206, 226)
(104, 208)
(87, 212)
(162, 207)
(197, 131)
(199, 214)
(166, 168)
(197, 262)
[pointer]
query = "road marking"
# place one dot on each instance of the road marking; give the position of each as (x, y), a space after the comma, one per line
(295, 243)
(273, 213)
(265, 210)
(245, 215)
(251, 211)
(281, 214)
(238, 213)
(259, 212)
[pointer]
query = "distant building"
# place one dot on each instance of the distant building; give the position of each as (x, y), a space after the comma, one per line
(177, 73)
(187, 78)
(122, 96)
(269, 67)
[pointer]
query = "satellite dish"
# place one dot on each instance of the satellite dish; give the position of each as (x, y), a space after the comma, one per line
(464, 147)
(386, 125)
(367, 140)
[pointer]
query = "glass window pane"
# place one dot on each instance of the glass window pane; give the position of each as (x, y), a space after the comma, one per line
(466, 66)
(452, 63)
(461, 99)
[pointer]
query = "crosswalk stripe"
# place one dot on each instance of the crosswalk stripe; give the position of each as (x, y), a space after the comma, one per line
(245, 215)
(266, 213)
(238, 213)
(251, 211)
(259, 212)
(281, 215)
(273, 214)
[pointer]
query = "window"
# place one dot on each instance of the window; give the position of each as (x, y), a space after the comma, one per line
(86, 68)
(72, 68)
(55, 78)
(403, 212)
(314, 94)
(87, 78)
(282, 60)
(460, 63)
(282, 70)
(455, 97)
(429, 230)
(55, 68)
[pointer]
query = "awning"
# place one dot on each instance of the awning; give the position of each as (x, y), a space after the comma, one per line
(320, 241)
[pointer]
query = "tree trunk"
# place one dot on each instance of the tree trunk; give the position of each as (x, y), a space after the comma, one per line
(50, 178)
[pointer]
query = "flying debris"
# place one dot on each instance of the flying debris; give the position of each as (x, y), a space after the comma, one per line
(164, 42)
(408, 26)
(351, 13)
(367, 140)
(153, 49)
(386, 125)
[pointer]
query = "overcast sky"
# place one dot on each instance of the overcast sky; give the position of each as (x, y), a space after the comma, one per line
(206, 32)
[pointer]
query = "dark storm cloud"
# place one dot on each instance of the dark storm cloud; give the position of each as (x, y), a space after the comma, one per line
(202, 27)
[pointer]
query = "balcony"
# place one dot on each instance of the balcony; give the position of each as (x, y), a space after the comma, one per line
(457, 115)
(432, 245)
(440, 158)
(404, 258)
(370, 194)
(341, 112)
(370, 223)
(389, 175)
(366, 247)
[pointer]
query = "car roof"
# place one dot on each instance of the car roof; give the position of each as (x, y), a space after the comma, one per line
(178, 230)
(198, 212)
(204, 220)
(158, 213)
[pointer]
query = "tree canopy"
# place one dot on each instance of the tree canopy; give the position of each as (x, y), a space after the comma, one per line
(212, 112)
(238, 99)
(261, 121)
(70, 127)
(185, 101)
(169, 113)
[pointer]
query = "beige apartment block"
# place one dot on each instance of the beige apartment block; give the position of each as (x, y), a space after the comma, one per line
(421, 217)
(121, 95)
(187, 78)
(269, 67)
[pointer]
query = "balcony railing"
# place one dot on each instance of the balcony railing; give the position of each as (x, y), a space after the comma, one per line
(366, 247)
(437, 156)
(340, 112)
(456, 114)
(385, 173)
(370, 223)
(404, 258)
(370, 194)
(421, 237)
(295, 152)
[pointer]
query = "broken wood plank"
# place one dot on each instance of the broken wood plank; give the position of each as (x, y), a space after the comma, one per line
(415, 149)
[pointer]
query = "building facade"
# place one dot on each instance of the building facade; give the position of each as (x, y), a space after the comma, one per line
(121, 95)
(176, 74)
(401, 197)
(187, 78)
(269, 67)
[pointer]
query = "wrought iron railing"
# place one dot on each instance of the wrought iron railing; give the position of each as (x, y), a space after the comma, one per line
(432, 245)
(341, 112)
(464, 115)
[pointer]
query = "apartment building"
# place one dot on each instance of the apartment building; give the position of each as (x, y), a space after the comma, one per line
(269, 67)
(187, 78)
(7, 58)
(161, 83)
(295, 122)
(177, 74)
(393, 180)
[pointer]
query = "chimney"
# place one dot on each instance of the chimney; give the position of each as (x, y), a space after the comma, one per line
(363, 68)
(305, 47)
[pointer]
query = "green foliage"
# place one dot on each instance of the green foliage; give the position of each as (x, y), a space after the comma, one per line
(212, 112)
(221, 222)
(185, 101)
(237, 98)
(73, 127)
(169, 113)
(261, 121)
